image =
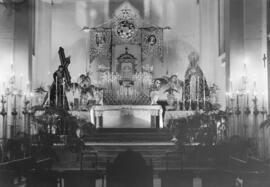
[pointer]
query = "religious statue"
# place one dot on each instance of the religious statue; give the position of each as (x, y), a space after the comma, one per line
(86, 93)
(176, 85)
(56, 96)
(196, 90)
(57, 92)
(154, 91)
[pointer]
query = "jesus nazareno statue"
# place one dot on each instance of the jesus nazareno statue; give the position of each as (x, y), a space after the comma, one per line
(56, 96)
(195, 90)
(57, 93)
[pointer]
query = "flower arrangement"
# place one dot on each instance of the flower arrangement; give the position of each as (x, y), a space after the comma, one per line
(204, 127)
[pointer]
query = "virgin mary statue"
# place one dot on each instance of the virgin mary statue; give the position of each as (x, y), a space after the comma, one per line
(196, 89)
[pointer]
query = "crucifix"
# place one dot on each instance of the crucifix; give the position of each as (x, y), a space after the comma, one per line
(264, 59)
(65, 61)
(56, 94)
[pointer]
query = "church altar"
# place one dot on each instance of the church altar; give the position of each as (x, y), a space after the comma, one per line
(122, 90)
(127, 116)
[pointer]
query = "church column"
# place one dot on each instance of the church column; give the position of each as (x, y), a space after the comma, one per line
(23, 49)
(23, 41)
(43, 44)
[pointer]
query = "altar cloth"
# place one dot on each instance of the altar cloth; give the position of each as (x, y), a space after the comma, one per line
(115, 115)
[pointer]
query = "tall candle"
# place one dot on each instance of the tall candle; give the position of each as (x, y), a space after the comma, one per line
(197, 91)
(231, 86)
(203, 92)
(21, 79)
(247, 99)
(15, 100)
(254, 87)
(49, 95)
(227, 99)
(56, 94)
(63, 100)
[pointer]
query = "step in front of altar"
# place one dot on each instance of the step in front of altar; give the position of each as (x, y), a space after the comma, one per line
(153, 144)
(130, 135)
(153, 152)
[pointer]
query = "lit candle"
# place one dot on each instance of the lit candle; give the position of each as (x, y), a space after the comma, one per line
(49, 95)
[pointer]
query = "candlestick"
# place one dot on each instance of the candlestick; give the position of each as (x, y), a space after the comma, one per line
(15, 95)
(56, 92)
(197, 93)
(204, 92)
(21, 79)
(49, 96)
(63, 99)
(263, 112)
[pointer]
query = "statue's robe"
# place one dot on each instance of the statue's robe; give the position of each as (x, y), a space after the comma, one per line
(62, 101)
(196, 88)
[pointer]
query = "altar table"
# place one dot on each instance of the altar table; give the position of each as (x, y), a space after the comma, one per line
(151, 115)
